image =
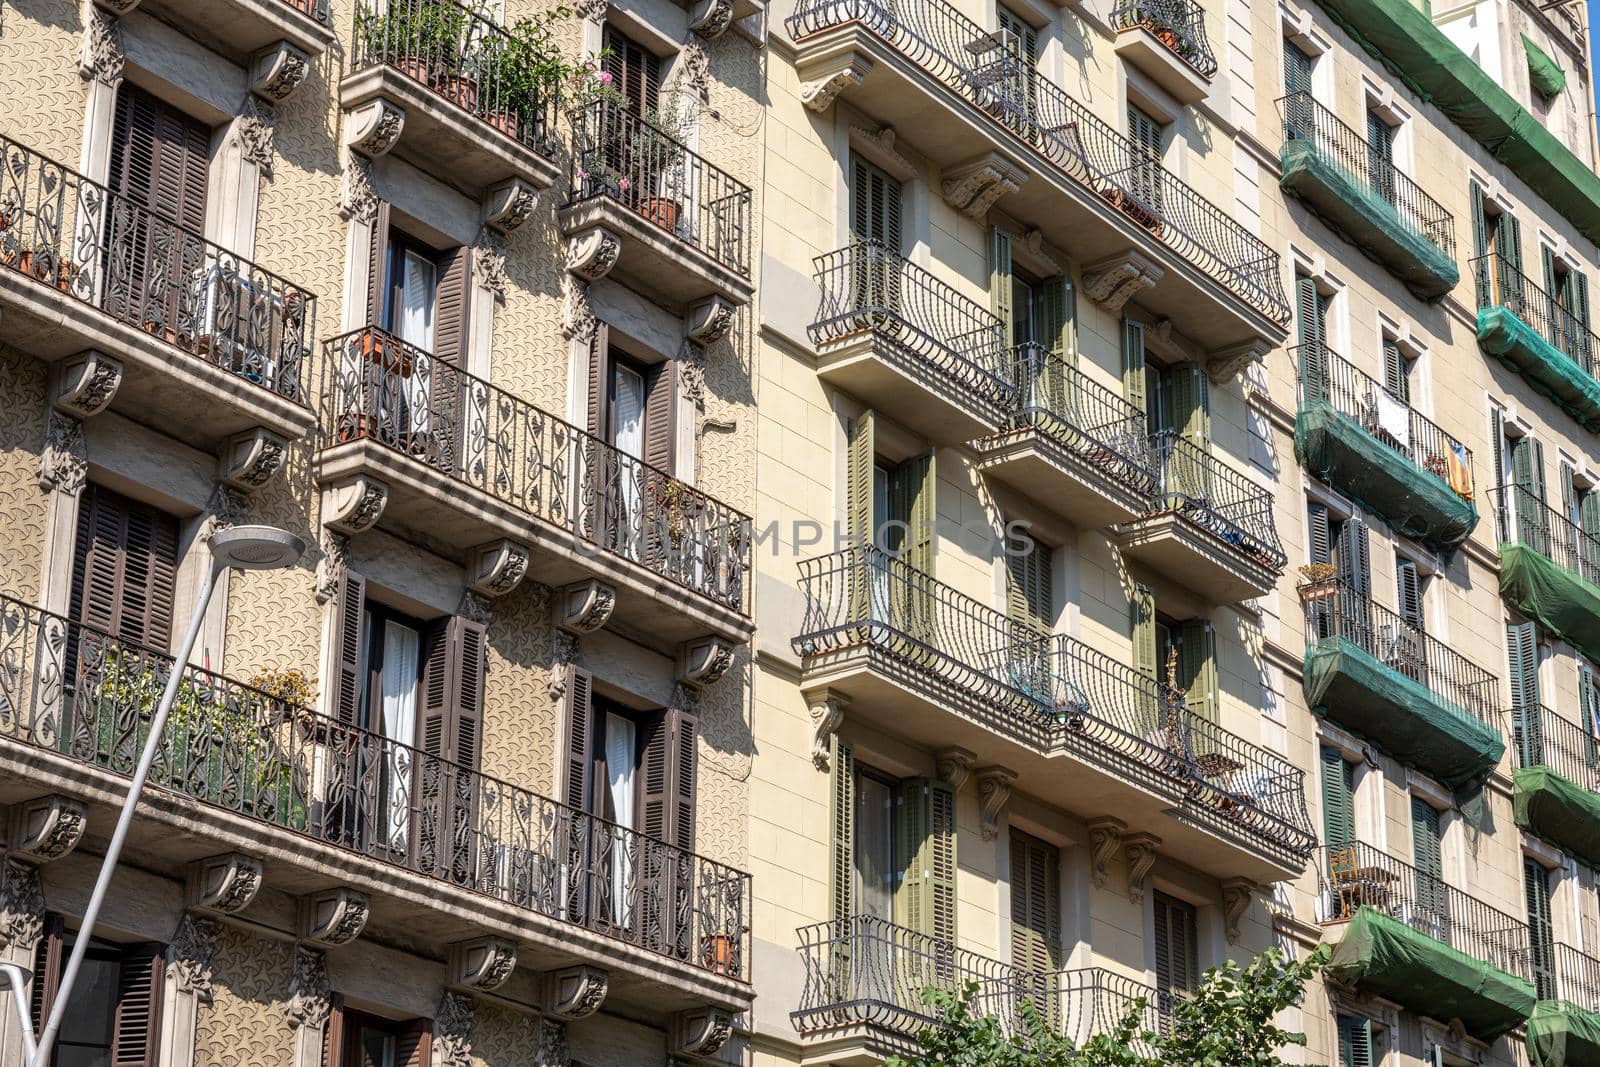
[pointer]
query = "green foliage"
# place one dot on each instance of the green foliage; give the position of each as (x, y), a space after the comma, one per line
(1229, 1022)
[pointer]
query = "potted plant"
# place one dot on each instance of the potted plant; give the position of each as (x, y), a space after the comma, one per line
(720, 954)
(524, 70)
(1318, 581)
(413, 36)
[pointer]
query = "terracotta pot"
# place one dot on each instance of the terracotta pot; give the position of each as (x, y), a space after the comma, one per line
(460, 89)
(413, 67)
(357, 427)
(719, 954)
(1133, 209)
(375, 347)
(1315, 591)
(661, 210)
(504, 120)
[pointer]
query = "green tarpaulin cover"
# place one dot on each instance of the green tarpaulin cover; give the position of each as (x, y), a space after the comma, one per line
(1335, 448)
(1544, 73)
(1404, 39)
(1560, 811)
(1399, 714)
(1563, 1035)
(1384, 956)
(1554, 597)
(1504, 335)
(1356, 212)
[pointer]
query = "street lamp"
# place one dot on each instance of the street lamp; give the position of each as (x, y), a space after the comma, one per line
(246, 548)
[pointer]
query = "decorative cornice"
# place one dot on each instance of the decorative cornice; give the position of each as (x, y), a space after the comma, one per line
(1225, 364)
(256, 126)
(1105, 841)
(953, 766)
(879, 147)
(357, 197)
(310, 998)
(64, 458)
(827, 715)
(21, 906)
(994, 791)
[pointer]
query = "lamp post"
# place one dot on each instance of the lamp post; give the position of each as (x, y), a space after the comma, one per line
(251, 548)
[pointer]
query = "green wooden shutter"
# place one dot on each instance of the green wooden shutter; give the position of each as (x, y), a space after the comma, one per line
(926, 854)
(1395, 378)
(1197, 668)
(1355, 1042)
(1176, 945)
(1352, 556)
(1508, 241)
(1589, 707)
(1522, 658)
(1297, 66)
(1058, 327)
(913, 488)
(1527, 473)
(1583, 341)
(1030, 595)
(1480, 221)
(1497, 441)
(1589, 524)
(1552, 284)
(1142, 611)
(1035, 904)
(1536, 886)
(1426, 854)
(1338, 799)
(1409, 593)
(874, 204)
(1189, 404)
(1133, 367)
(1000, 291)
(1319, 533)
(842, 852)
(861, 455)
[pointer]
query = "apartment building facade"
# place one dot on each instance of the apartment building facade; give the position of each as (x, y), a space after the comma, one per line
(1178, 481)
(467, 784)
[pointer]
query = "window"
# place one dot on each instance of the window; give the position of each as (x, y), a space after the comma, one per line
(1313, 307)
(1177, 951)
(1408, 593)
(635, 71)
(364, 1040)
(632, 408)
(413, 289)
(1427, 859)
(1356, 1045)
(1036, 918)
(1589, 708)
(1536, 886)
(1297, 67)
(1568, 328)
(874, 204)
(393, 661)
(1020, 42)
(1338, 800)
(1522, 657)
(1035, 311)
(1380, 155)
(114, 1016)
(124, 567)
(1344, 543)
(1184, 650)
(1030, 613)
(1145, 135)
(1396, 371)
(1498, 234)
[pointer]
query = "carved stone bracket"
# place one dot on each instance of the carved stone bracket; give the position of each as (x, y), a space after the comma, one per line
(225, 507)
(252, 459)
(827, 714)
(190, 953)
(563, 654)
(592, 10)
(494, 569)
(64, 459)
(692, 373)
(1141, 851)
(100, 56)
(572, 992)
(583, 607)
(994, 790)
(452, 1031)
(551, 1049)
(711, 18)
(1162, 338)
(226, 883)
(21, 906)
(86, 384)
(374, 128)
(593, 252)
(310, 997)
(973, 188)
(483, 963)
(332, 566)
(824, 82)
(357, 197)
(578, 321)
(1235, 902)
(708, 323)
(700, 1033)
(507, 206)
(476, 607)
(117, 7)
(1112, 282)
(277, 70)
(705, 661)
(953, 766)
(335, 917)
(1036, 254)
(1105, 841)
(45, 828)
(879, 147)
(354, 505)
(1224, 364)
(257, 132)
(489, 261)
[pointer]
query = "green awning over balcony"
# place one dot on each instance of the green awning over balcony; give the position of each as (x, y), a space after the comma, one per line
(1356, 212)
(1335, 448)
(1562, 812)
(1554, 597)
(1504, 335)
(1563, 1035)
(1399, 714)
(1384, 956)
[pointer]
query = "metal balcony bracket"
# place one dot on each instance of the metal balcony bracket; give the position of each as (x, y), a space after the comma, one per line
(827, 715)
(1235, 902)
(584, 607)
(1141, 850)
(374, 128)
(829, 77)
(593, 252)
(45, 828)
(86, 384)
(705, 661)
(700, 1033)
(251, 459)
(573, 992)
(1105, 841)
(495, 569)
(335, 917)
(1113, 281)
(953, 766)
(973, 188)
(994, 791)
(709, 322)
(1225, 364)
(482, 963)
(277, 70)
(508, 205)
(225, 884)
(354, 505)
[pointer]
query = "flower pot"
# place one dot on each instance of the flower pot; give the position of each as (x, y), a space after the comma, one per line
(358, 427)
(1324, 589)
(376, 348)
(460, 89)
(503, 119)
(413, 67)
(719, 954)
(661, 210)
(1165, 34)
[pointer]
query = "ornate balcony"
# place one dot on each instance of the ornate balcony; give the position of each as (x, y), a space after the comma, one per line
(146, 316)
(1000, 131)
(1070, 443)
(907, 344)
(411, 441)
(438, 852)
(276, 39)
(1565, 1028)
(1424, 944)
(1549, 567)
(440, 85)
(1557, 781)
(1372, 672)
(1166, 39)
(1207, 526)
(865, 976)
(1357, 437)
(1364, 199)
(1529, 331)
(658, 216)
(1083, 729)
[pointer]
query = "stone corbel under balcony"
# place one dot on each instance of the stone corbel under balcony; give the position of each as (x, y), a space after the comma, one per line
(277, 70)
(973, 188)
(251, 459)
(607, 237)
(583, 607)
(1113, 281)
(1105, 842)
(354, 505)
(994, 792)
(704, 662)
(45, 828)
(508, 205)
(482, 964)
(1141, 851)
(1236, 893)
(827, 715)
(1229, 362)
(573, 993)
(700, 1034)
(709, 322)
(86, 384)
(334, 917)
(240, 28)
(827, 73)
(496, 568)
(224, 884)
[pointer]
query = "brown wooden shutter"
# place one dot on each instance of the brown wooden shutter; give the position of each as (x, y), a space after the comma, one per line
(378, 267)
(333, 1032)
(137, 1032)
(452, 302)
(451, 730)
(667, 795)
(414, 1044)
(125, 567)
(349, 633)
(47, 960)
(580, 737)
(635, 71)
(159, 157)
(659, 423)
(599, 380)
(595, 459)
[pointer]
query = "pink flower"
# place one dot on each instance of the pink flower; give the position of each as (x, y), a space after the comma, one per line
(583, 175)
(624, 185)
(605, 77)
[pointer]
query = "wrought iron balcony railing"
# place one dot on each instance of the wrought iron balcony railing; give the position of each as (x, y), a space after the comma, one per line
(1540, 737)
(1007, 88)
(1357, 875)
(1521, 516)
(1327, 376)
(316, 9)
(396, 395)
(1220, 500)
(1180, 25)
(145, 270)
(1501, 284)
(619, 155)
(1306, 120)
(1574, 978)
(464, 58)
(1052, 689)
(76, 692)
(867, 970)
(1064, 404)
(1342, 612)
(866, 288)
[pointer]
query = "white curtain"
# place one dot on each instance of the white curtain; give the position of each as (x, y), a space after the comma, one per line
(629, 442)
(418, 284)
(621, 745)
(400, 645)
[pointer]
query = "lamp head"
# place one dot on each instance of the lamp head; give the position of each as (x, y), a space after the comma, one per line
(256, 548)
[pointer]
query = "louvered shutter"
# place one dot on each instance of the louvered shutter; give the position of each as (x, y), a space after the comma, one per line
(660, 423)
(1000, 285)
(842, 827)
(1338, 800)
(452, 302)
(48, 956)
(1318, 533)
(125, 567)
(1395, 378)
(1036, 920)
(1189, 404)
(926, 855)
(1552, 286)
(1427, 858)
(1508, 242)
(1583, 341)
(580, 738)
(447, 383)
(1589, 708)
(1058, 330)
(1353, 558)
(1133, 368)
(1527, 474)
(1176, 944)
(1522, 657)
(1029, 584)
(1380, 154)
(635, 71)
(1569, 490)
(860, 460)
(598, 460)
(1480, 220)
(450, 728)
(1355, 1042)
(1142, 609)
(599, 381)
(913, 487)
(333, 1032)
(874, 204)
(1497, 441)
(1589, 526)
(668, 764)
(1296, 69)
(413, 1046)
(349, 612)
(1197, 668)
(1409, 593)
(137, 1030)
(378, 267)
(1536, 887)
(664, 511)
